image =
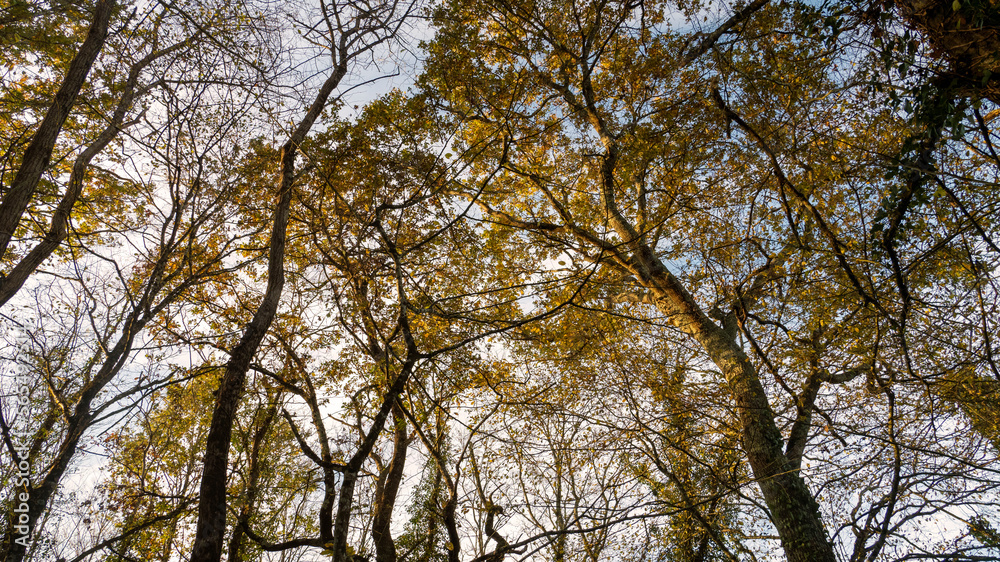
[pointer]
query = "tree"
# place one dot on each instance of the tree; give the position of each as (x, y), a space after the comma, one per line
(607, 281)
(358, 30)
(573, 73)
(625, 155)
(79, 366)
(172, 222)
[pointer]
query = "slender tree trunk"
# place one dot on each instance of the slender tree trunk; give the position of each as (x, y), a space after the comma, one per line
(326, 507)
(449, 506)
(386, 491)
(77, 423)
(350, 473)
(39, 152)
(253, 478)
(211, 528)
(432, 520)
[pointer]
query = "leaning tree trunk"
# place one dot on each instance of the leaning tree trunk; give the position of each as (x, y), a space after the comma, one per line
(39, 152)
(793, 509)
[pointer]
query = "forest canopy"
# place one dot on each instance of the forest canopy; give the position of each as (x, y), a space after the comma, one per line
(499, 280)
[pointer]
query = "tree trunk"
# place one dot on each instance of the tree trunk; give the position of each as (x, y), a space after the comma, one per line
(253, 478)
(350, 472)
(212, 501)
(39, 151)
(794, 511)
(386, 491)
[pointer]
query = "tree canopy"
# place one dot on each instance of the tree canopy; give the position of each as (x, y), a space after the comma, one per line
(489, 280)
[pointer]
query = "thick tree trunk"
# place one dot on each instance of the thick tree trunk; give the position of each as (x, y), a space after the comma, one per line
(794, 511)
(326, 507)
(212, 500)
(39, 152)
